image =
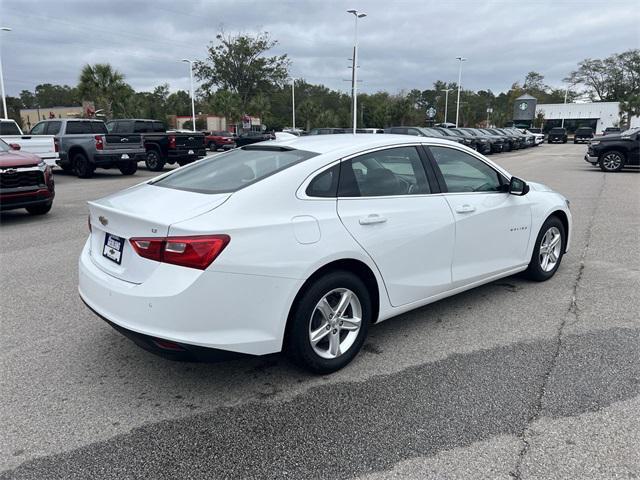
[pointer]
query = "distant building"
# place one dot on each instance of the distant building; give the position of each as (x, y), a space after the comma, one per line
(31, 116)
(215, 122)
(597, 115)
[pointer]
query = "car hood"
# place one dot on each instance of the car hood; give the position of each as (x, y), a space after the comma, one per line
(539, 187)
(15, 158)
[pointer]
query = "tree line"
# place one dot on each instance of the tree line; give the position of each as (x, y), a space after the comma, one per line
(239, 77)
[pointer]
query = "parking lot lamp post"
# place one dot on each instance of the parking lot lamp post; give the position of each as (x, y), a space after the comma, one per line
(460, 59)
(566, 94)
(4, 100)
(354, 89)
(446, 102)
(293, 104)
(193, 103)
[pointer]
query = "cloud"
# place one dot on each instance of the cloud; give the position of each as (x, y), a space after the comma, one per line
(403, 44)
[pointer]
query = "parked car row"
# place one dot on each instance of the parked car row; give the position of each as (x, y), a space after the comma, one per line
(483, 140)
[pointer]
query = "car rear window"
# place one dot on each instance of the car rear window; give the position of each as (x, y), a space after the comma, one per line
(232, 171)
(81, 127)
(557, 130)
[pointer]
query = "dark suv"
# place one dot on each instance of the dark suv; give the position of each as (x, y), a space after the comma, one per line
(557, 134)
(613, 152)
(583, 134)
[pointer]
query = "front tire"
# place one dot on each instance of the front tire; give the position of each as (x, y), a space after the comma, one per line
(612, 161)
(329, 323)
(154, 161)
(548, 250)
(128, 168)
(40, 209)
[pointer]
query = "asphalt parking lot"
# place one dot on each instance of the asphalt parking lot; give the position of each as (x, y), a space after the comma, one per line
(510, 380)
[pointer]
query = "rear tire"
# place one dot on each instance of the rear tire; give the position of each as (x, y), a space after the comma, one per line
(335, 328)
(82, 167)
(548, 250)
(154, 161)
(128, 168)
(612, 161)
(40, 209)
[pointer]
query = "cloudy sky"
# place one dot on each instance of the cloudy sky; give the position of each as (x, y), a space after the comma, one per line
(403, 44)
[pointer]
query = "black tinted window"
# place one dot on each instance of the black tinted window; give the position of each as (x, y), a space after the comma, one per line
(159, 127)
(465, 173)
(78, 127)
(234, 170)
(395, 171)
(325, 184)
(98, 127)
(9, 128)
(53, 128)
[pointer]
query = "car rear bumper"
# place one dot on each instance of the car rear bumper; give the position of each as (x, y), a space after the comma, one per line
(193, 308)
(107, 158)
(187, 154)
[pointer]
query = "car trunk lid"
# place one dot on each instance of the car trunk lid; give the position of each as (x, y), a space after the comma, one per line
(141, 211)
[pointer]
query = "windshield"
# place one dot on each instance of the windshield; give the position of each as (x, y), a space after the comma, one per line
(232, 171)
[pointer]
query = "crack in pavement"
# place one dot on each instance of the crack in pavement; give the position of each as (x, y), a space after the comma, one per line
(572, 311)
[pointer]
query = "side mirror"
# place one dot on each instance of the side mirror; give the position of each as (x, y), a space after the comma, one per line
(14, 146)
(517, 186)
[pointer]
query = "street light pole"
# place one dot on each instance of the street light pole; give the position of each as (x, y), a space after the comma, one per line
(446, 102)
(460, 59)
(354, 88)
(193, 103)
(566, 93)
(4, 100)
(293, 103)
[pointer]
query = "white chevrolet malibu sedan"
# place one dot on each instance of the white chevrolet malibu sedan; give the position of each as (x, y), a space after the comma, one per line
(301, 244)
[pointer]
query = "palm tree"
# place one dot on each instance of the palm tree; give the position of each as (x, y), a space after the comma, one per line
(102, 84)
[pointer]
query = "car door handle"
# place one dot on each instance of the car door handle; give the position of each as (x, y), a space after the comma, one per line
(466, 208)
(372, 219)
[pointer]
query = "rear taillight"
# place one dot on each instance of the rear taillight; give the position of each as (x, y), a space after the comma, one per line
(56, 144)
(193, 252)
(172, 141)
(99, 142)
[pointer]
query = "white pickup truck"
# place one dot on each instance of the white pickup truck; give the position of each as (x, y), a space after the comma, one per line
(42, 145)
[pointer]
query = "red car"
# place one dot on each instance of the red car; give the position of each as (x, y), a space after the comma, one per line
(219, 139)
(25, 181)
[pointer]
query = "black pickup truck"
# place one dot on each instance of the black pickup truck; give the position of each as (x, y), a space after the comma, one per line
(162, 147)
(614, 152)
(557, 134)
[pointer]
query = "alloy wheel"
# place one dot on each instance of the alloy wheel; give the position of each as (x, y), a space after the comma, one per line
(550, 248)
(335, 323)
(612, 161)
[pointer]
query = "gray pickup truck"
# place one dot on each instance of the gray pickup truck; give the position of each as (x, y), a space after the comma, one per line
(85, 144)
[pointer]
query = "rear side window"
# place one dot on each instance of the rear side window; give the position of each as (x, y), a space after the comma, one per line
(53, 128)
(98, 127)
(9, 128)
(394, 171)
(159, 127)
(325, 184)
(232, 171)
(78, 128)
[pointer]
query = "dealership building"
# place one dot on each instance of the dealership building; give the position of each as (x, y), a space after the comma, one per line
(597, 115)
